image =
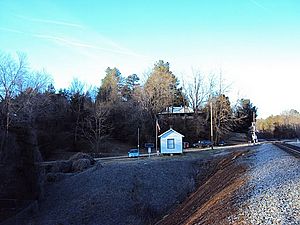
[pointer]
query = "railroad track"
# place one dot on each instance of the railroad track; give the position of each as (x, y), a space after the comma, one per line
(295, 150)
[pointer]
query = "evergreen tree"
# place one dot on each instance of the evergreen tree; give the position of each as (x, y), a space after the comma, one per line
(246, 112)
(161, 88)
(110, 89)
(131, 82)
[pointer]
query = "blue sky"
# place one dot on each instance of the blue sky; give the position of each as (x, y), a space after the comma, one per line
(256, 43)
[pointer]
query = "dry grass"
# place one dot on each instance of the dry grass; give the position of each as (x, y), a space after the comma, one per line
(142, 191)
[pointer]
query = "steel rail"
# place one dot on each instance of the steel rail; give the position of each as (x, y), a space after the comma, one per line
(295, 150)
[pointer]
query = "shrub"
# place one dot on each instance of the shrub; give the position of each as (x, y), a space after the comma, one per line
(81, 155)
(80, 165)
(61, 167)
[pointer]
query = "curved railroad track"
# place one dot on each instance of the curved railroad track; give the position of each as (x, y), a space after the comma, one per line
(295, 150)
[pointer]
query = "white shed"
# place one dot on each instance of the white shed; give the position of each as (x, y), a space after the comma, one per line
(170, 142)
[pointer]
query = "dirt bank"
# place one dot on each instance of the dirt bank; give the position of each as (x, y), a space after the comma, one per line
(213, 200)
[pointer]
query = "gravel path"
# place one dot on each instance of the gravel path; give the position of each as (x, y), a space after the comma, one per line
(273, 189)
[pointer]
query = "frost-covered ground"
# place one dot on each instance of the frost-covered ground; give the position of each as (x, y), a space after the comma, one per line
(133, 191)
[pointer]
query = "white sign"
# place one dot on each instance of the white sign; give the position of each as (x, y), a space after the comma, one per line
(149, 151)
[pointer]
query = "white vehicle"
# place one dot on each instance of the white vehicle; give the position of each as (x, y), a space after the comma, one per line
(133, 153)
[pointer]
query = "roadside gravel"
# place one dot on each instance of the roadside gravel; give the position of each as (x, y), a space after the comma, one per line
(272, 193)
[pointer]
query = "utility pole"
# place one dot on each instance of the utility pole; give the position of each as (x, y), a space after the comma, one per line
(138, 145)
(211, 128)
(157, 129)
(156, 133)
(254, 137)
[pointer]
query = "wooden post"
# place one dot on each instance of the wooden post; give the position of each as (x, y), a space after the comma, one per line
(138, 145)
(211, 127)
(156, 133)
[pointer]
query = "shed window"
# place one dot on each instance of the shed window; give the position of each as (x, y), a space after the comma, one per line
(170, 143)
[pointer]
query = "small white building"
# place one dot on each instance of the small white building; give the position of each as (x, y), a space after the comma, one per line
(177, 110)
(171, 142)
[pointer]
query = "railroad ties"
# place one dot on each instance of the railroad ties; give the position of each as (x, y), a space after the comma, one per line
(295, 150)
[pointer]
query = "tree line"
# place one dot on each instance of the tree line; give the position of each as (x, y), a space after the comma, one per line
(285, 125)
(81, 118)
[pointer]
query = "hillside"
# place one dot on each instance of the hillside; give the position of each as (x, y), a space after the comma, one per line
(139, 191)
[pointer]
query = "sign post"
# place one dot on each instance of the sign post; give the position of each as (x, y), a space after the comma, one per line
(211, 127)
(149, 146)
(138, 144)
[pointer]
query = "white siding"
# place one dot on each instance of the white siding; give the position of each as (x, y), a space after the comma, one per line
(177, 142)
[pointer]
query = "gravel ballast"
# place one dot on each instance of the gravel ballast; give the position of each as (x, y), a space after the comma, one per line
(272, 192)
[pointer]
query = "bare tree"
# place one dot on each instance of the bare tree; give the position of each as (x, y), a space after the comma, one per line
(32, 101)
(222, 115)
(77, 86)
(95, 126)
(12, 73)
(223, 119)
(39, 81)
(196, 91)
(77, 91)
(21, 98)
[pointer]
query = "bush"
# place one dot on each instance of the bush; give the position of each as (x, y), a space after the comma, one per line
(81, 155)
(61, 167)
(80, 165)
(78, 162)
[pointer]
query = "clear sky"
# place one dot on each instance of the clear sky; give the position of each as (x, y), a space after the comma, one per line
(256, 43)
